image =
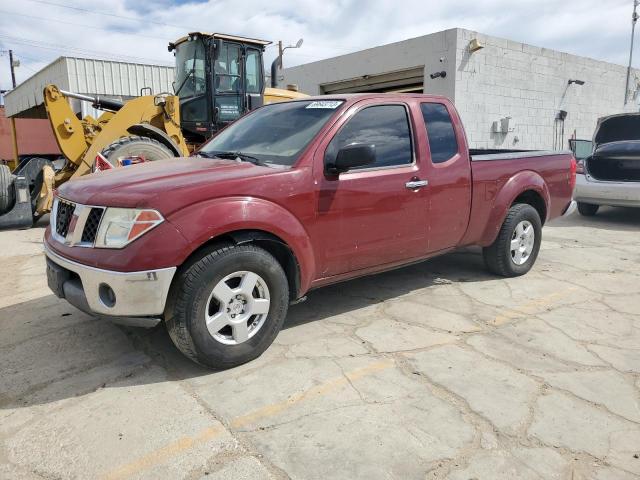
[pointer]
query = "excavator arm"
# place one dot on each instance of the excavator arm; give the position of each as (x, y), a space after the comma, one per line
(156, 117)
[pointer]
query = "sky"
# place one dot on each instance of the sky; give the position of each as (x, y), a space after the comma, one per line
(39, 31)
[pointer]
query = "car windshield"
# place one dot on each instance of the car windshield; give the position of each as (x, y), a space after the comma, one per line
(274, 134)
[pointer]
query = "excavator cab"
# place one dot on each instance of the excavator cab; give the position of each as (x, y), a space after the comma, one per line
(218, 79)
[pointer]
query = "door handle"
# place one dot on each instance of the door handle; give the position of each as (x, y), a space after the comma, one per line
(415, 184)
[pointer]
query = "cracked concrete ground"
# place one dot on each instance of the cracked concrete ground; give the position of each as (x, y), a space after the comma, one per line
(435, 371)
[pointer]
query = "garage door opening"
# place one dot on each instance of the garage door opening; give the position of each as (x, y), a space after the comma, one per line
(400, 81)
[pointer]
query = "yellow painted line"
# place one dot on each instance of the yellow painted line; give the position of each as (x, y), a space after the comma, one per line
(313, 392)
(163, 453)
(531, 307)
(187, 442)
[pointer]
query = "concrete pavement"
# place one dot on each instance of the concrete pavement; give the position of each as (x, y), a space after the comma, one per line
(435, 371)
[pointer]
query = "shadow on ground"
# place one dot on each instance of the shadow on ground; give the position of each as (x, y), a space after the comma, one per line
(49, 351)
(608, 218)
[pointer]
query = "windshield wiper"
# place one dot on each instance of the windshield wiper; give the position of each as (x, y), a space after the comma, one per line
(238, 156)
(191, 72)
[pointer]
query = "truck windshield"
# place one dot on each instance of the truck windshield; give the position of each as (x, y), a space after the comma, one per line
(275, 134)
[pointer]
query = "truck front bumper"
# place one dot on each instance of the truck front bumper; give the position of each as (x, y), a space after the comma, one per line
(615, 194)
(132, 298)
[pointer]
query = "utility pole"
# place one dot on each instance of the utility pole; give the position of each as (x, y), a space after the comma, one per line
(12, 121)
(13, 71)
(634, 19)
(280, 50)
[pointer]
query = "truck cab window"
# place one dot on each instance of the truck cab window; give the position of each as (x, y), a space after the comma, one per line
(442, 137)
(386, 127)
(252, 71)
(226, 69)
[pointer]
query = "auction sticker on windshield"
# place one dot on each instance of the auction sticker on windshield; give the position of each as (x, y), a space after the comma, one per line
(325, 104)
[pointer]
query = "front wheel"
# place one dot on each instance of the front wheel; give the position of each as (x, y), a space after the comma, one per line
(588, 209)
(516, 248)
(226, 307)
(136, 146)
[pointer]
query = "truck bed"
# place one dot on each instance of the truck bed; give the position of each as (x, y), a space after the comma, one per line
(546, 172)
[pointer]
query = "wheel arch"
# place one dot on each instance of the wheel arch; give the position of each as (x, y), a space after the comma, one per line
(535, 199)
(273, 244)
(148, 130)
(238, 220)
(525, 187)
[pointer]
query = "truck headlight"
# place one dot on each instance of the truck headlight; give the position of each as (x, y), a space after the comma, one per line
(121, 226)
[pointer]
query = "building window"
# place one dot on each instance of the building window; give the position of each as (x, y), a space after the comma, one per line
(442, 136)
(386, 127)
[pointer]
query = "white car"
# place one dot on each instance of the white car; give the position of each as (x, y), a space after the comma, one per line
(608, 170)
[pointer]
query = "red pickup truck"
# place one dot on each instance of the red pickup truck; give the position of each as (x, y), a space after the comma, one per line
(292, 197)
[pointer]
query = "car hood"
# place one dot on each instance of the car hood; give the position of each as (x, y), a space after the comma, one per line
(165, 185)
(616, 128)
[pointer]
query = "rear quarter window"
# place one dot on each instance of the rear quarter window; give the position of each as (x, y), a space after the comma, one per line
(442, 136)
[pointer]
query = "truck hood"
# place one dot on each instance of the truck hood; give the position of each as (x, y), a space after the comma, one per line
(165, 185)
(616, 128)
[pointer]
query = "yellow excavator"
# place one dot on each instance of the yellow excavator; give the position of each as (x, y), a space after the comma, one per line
(218, 79)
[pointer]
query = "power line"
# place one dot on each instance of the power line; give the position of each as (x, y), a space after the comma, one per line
(93, 27)
(67, 48)
(182, 27)
(113, 15)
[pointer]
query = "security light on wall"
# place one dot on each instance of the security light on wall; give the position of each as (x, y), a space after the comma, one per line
(435, 75)
(475, 45)
(577, 82)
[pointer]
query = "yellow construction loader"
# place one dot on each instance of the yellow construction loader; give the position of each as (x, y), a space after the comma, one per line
(218, 79)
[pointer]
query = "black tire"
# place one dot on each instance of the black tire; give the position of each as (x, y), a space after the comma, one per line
(133, 145)
(189, 301)
(588, 209)
(7, 194)
(498, 257)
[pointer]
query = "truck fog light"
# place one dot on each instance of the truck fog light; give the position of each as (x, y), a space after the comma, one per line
(107, 295)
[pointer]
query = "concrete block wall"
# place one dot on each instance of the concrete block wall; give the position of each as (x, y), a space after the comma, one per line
(529, 84)
(422, 51)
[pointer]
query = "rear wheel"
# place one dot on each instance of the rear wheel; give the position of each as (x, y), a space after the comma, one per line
(515, 250)
(226, 307)
(588, 209)
(6, 189)
(136, 146)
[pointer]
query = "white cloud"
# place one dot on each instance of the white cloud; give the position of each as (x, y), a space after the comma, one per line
(40, 32)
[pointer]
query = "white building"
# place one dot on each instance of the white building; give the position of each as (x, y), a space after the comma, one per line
(106, 78)
(509, 94)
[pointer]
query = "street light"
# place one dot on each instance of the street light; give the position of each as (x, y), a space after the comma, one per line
(278, 61)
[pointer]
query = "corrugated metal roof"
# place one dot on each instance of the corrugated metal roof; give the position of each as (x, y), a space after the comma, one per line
(90, 77)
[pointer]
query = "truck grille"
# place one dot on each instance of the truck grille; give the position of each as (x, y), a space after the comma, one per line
(91, 225)
(63, 214)
(87, 223)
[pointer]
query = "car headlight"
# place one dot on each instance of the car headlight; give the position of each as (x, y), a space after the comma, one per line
(121, 226)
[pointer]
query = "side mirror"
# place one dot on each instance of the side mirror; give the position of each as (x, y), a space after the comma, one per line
(352, 156)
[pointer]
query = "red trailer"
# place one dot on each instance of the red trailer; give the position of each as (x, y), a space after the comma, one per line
(34, 138)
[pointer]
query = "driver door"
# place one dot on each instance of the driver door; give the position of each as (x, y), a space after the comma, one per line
(371, 216)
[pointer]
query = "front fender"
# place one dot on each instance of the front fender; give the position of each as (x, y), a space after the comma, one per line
(516, 185)
(204, 221)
